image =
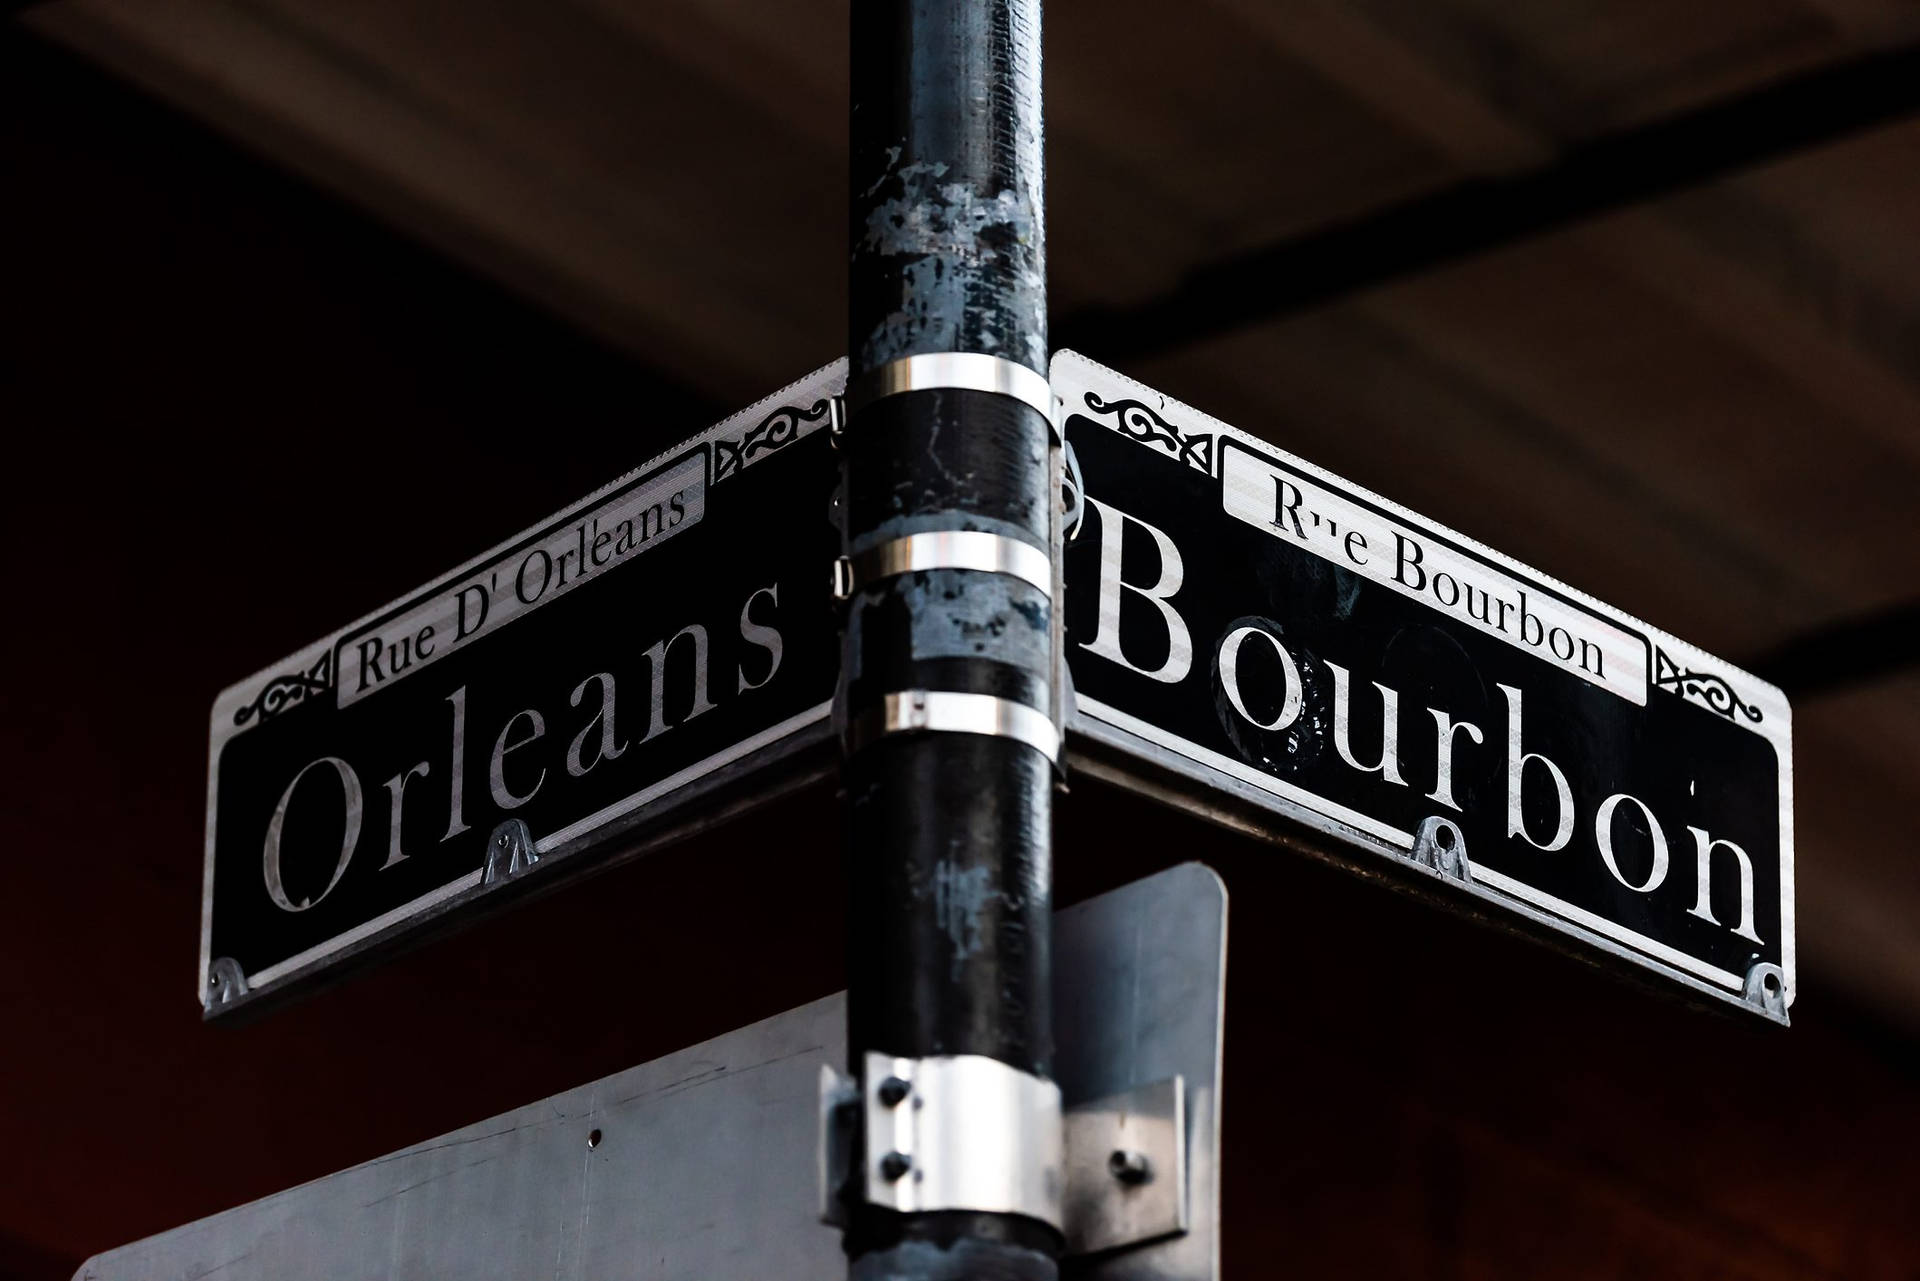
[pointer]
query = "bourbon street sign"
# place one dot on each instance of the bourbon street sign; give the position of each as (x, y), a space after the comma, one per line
(1286, 640)
(560, 694)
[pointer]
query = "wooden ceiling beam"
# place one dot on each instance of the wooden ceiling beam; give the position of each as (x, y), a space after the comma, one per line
(1486, 213)
(1708, 276)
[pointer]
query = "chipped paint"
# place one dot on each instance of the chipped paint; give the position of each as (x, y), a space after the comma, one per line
(959, 614)
(960, 244)
(960, 896)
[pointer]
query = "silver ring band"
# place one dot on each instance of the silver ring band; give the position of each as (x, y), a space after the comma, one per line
(958, 370)
(951, 712)
(946, 549)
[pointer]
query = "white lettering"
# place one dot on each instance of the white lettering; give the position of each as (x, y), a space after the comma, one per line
(657, 665)
(1443, 772)
(1106, 636)
(397, 786)
(604, 750)
(1603, 833)
(760, 634)
(1388, 766)
(1230, 677)
(497, 767)
(270, 854)
(1516, 776)
(1703, 871)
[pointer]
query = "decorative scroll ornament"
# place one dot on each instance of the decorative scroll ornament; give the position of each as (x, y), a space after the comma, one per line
(781, 427)
(283, 692)
(1138, 422)
(1710, 691)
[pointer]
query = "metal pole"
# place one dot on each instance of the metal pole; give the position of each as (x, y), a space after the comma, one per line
(946, 702)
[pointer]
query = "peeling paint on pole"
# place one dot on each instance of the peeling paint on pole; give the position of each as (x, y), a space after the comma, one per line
(951, 232)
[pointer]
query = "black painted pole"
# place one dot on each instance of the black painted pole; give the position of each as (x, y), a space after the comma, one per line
(947, 832)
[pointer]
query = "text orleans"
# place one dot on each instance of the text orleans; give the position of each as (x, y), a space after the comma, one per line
(596, 741)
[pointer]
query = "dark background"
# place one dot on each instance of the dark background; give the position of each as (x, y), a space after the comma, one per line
(241, 412)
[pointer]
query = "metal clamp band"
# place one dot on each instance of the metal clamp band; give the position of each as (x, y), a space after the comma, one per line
(962, 1132)
(953, 712)
(961, 370)
(945, 549)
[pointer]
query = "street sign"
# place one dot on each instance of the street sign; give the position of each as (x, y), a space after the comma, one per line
(1238, 620)
(563, 693)
(1275, 636)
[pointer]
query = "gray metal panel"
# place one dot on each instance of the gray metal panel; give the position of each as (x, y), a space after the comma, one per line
(704, 1169)
(1138, 984)
(705, 1164)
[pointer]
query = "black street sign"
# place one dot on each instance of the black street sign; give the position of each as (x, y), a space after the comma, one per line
(1256, 626)
(1238, 621)
(559, 695)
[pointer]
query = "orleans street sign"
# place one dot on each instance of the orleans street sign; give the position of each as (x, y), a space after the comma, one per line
(565, 692)
(1248, 622)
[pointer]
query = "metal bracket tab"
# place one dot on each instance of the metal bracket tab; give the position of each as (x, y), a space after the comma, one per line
(510, 852)
(961, 1132)
(953, 712)
(1122, 1159)
(1439, 844)
(973, 549)
(956, 370)
(1766, 987)
(1126, 1160)
(226, 982)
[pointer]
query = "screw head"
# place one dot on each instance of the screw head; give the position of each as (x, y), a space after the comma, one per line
(893, 1091)
(1129, 1166)
(894, 1166)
